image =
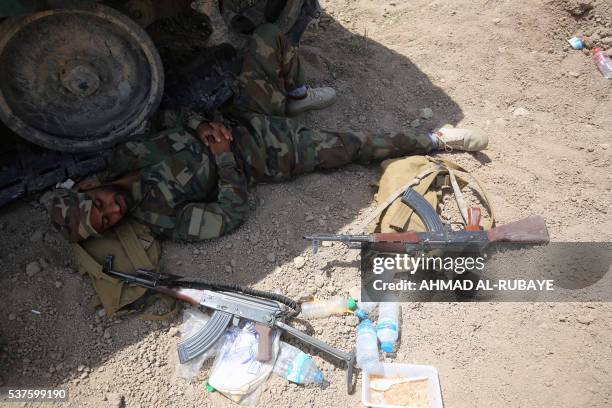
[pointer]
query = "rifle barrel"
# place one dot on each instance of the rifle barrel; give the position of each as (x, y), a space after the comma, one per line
(340, 238)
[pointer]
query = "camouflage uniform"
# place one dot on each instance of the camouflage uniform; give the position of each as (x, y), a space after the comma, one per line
(69, 212)
(186, 193)
(276, 148)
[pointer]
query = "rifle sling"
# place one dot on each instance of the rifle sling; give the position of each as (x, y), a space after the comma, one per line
(453, 166)
(133, 248)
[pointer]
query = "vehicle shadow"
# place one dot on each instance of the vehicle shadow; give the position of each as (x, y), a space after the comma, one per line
(379, 89)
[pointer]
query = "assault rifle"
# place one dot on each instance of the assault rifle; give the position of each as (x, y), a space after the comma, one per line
(267, 310)
(530, 230)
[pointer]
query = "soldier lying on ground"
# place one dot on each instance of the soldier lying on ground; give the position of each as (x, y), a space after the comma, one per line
(190, 183)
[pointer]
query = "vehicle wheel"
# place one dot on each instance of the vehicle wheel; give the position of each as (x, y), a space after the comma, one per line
(78, 79)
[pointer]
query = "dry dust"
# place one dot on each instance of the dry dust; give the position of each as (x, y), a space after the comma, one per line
(503, 66)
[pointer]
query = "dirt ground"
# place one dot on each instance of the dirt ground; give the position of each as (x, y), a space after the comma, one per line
(503, 66)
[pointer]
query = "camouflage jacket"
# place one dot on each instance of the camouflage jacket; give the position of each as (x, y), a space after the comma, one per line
(184, 192)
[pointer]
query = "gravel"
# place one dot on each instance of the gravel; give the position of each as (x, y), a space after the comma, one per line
(426, 113)
(429, 58)
(299, 262)
(32, 268)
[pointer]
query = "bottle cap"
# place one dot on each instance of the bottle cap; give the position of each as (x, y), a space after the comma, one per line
(386, 346)
(318, 377)
(351, 304)
(365, 323)
(361, 314)
(209, 387)
(576, 43)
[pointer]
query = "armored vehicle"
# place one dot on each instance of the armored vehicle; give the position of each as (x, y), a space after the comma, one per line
(79, 76)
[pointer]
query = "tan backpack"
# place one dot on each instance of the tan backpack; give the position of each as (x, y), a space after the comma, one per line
(133, 247)
(426, 175)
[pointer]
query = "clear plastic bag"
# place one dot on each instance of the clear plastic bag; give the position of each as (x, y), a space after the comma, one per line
(236, 372)
(193, 321)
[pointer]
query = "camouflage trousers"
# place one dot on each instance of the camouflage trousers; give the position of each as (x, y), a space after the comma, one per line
(273, 147)
(271, 68)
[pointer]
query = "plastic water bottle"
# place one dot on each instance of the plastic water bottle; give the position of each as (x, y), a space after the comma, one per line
(324, 308)
(367, 348)
(603, 61)
(365, 309)
(388, 325)
(296, 366)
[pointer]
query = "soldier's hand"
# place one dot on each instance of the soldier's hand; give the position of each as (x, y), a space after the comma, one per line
(88, 183)
(218, 147)
(213, 131)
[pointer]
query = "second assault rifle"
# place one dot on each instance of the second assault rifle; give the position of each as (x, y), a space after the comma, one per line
(530, 230)
(267, 310)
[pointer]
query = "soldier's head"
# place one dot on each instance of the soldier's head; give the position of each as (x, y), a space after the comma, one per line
(80, 215)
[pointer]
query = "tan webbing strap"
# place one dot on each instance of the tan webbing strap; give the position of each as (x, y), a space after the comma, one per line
(139, 258)
(99, 278)
(382, 207)
(90, 264)
(450, 165)
(458, 195)
(133, 247)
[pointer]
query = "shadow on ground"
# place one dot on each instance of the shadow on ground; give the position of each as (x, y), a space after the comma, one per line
(378, 89)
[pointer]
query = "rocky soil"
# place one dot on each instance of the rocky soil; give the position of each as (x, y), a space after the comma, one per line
(502, 66)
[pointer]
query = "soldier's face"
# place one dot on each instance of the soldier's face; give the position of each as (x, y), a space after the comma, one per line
(110, 204)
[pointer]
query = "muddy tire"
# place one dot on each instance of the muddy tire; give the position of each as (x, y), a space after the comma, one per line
(77, 80)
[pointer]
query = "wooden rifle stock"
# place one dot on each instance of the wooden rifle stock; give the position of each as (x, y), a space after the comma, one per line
(530, 230)
(191, 296)
(408, 237)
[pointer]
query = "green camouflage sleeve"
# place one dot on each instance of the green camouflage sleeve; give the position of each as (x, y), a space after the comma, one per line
(200, 221)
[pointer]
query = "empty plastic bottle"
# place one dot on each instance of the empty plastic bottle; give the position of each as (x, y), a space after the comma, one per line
(324, 308)
(603, 61)
(387, 327)
(296, 366)
(367, 348)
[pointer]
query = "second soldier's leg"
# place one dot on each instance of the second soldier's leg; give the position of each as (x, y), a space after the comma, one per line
(327, 150)
(276, 148)
(271, 69)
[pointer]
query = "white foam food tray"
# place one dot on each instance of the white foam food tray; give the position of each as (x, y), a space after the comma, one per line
(405, 371)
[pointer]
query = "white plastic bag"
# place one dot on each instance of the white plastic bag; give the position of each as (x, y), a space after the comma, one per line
(193, 321)
(236, 372)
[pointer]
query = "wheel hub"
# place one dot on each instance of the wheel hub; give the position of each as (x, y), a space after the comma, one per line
(81, 80)
(77, 79)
